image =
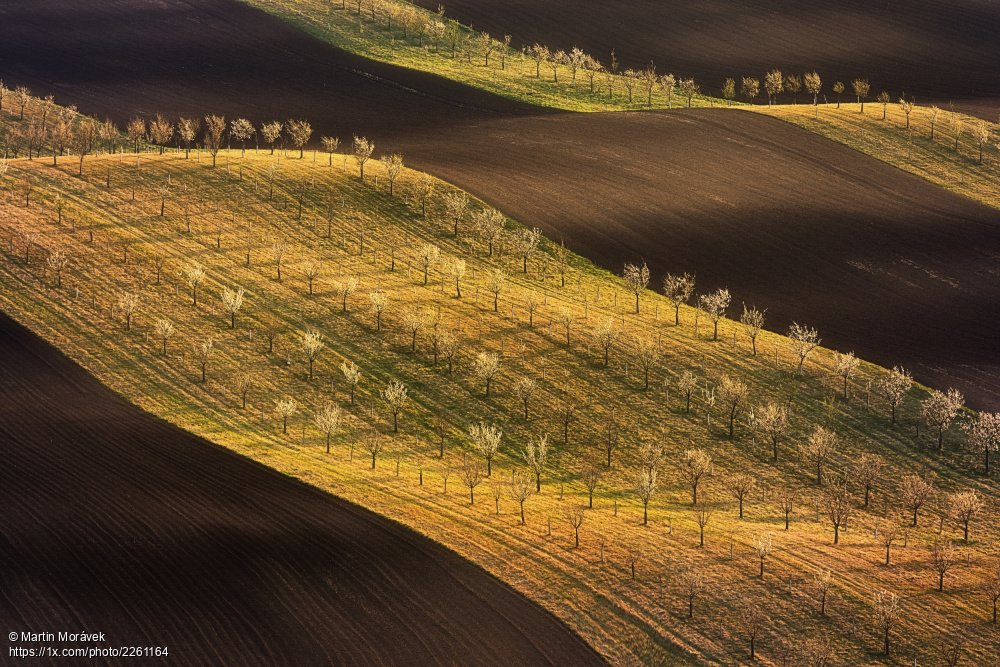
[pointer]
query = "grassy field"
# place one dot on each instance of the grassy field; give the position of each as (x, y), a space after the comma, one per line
(938, 160)
(513, 76)
(954, 165)
(115, 236)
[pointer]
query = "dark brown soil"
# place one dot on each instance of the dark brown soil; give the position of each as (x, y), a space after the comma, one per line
(116, 522)
(881, 262)
(926, 48)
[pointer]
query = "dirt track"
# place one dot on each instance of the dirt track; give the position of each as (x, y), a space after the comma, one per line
(115, 521)
(930, 49)
(883, 263)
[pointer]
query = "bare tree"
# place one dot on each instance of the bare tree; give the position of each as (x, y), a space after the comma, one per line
(813, 84)
(750, 88)
(692, 583)
(285, 408)
(774, 84)
(729, 91)
(591, 476)
(804, 340)
(393, 165)
(472, 475)
(687, 382)
(524, 388)
(861, 90)
(311, 342)
(187, 131)
(486, 438)
(312, 270)
(894, 386)
(203, 351)
(866, 470)
(772, 421)
(637, 279)
(817, 450)
(823, 583)
(740, 486)
(489, 223)
(715, 305)
(885, 612)
(136, 132)
(982, 132)
(330, 145)
(57, 261)
(943, 559)
(496, 284)
(22, 96)
(939, 410)
(215, 127)
(786, 503)
(244, 383)
(374, 444)
(845, 365)
(241, 130)
(887, 531)
(450, 346)
(520, 491)
(195, 275)
(883, 99)
(327, 420)
(425, 188)
(688, 89)
(837, 503)
(414, 319)
(428, 256)
(702, 516)
(278, 250)
(395, 396)
(525, 243)
(606, 335)
(751, 622)
(574, 516)
(497, 487)
(695, 466)
(992, 589)
(271, 133)
(232, 299)
(352, 375)
(299, 133)
(486, 368)
(983, 436)
(379, 301)
(963, 506)
(734, 393)
(647, 353)
(363, 150)
(752, 320)
(129, 303)
(915, 491)
(164, 329)
(456, 205)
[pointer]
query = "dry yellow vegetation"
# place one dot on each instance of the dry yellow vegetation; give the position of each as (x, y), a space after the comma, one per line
(133, 225)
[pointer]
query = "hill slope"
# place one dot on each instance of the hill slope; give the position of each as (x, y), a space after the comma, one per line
(666, 182)
(379, 240)
(114, 520)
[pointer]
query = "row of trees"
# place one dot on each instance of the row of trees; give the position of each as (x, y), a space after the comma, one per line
(643, 470)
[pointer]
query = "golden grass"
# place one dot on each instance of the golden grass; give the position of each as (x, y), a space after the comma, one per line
(937, 160)
(627, 621)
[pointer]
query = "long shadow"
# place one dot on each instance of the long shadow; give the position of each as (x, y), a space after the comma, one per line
(881, 261)
(114, 521)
